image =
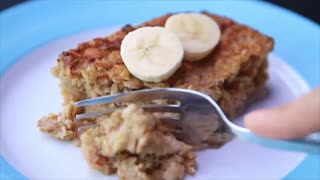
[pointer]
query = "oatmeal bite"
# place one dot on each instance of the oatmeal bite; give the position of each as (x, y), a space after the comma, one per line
(136, 145)
(60, 126)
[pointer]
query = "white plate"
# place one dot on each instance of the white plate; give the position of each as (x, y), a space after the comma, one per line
(28, 92)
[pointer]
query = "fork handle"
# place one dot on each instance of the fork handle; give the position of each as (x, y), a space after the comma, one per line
(308, 144)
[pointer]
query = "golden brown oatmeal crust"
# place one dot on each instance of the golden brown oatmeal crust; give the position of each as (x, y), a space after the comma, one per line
(98, 66)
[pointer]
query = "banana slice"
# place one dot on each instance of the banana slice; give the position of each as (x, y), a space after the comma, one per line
(199, 34)
(152, 54)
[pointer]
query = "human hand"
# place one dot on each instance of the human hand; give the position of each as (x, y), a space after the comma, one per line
(292, 120)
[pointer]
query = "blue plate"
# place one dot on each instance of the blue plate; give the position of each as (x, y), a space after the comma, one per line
(31, 24)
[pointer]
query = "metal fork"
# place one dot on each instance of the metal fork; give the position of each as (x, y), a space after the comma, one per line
(193, 107)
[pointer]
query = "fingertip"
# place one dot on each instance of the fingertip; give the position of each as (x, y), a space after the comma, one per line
(253, 119)
(258, 122)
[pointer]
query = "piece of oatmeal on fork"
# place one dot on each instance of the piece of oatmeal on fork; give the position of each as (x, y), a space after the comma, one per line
(136, 145)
